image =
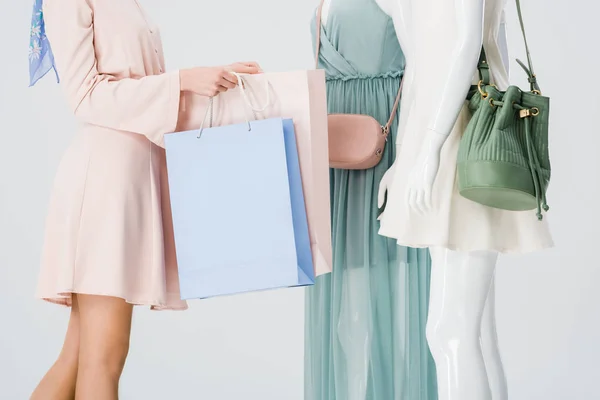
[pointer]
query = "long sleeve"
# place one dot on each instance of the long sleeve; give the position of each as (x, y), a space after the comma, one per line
(192, 109)
(147, 106)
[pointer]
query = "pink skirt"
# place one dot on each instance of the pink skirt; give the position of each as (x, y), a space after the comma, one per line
(109, 230)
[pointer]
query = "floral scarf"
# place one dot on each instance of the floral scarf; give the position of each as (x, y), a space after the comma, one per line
(41, 59)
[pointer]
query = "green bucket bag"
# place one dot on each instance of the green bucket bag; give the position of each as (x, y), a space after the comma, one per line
(503, 159)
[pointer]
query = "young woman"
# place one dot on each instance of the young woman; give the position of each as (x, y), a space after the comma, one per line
(109, 242)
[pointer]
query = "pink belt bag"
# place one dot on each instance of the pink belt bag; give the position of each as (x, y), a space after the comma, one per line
(356, 141)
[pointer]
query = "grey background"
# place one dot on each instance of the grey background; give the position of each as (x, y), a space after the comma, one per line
(251, 346)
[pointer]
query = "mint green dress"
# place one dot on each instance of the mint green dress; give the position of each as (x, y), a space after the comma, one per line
(365, 322)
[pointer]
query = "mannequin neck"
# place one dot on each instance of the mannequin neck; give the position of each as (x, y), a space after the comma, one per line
(325, 12)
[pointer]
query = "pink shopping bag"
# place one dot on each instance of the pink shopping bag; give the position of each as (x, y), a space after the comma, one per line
(297, 95)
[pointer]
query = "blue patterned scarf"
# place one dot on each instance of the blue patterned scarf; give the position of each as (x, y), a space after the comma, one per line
(41, 59)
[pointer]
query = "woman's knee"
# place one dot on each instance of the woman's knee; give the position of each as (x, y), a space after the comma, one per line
(105, 333)
(108, 358)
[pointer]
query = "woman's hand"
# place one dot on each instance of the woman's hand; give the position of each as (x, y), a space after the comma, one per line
(210, 81)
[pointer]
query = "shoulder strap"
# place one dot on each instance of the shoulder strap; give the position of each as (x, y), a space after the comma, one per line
(529, 71)
(386, 128)
(483, 66)
(318, 33)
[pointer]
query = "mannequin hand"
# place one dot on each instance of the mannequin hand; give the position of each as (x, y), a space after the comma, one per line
(422, 177)
(210, 81)
(384, 185)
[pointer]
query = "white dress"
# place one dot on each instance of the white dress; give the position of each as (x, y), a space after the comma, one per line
(457, 223)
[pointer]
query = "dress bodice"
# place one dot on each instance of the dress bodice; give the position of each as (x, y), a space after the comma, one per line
(358, 40)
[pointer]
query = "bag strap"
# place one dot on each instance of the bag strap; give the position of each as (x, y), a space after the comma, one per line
(318, 33)
(483, 66)
(531, 75)
(387, 126)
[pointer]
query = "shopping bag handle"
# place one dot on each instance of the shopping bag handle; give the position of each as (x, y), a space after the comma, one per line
(242, 85)
(209, 114)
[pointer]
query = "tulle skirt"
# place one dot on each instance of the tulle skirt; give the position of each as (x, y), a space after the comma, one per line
(365, 322)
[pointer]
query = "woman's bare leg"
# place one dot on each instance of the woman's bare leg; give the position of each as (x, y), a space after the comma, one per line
(105, 326)
(59, 381)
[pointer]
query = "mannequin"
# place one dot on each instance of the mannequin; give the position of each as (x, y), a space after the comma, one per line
(355, 335)
(461, 329)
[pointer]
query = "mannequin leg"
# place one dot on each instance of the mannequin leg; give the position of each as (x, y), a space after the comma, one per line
(491, 352)
(459, 289)
(434, 314)
(356, 341)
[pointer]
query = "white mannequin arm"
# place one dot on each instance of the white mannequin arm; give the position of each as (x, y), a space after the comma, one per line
(401, 13)
(452, 73)
(458, 68)
(503, 42)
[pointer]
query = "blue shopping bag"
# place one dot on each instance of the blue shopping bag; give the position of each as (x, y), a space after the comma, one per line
(238, 209)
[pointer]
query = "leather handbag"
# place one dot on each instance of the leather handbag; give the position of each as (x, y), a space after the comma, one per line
(356, 141)
(503, 158)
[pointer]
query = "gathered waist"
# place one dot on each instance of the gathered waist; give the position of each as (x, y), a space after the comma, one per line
(359, 76)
